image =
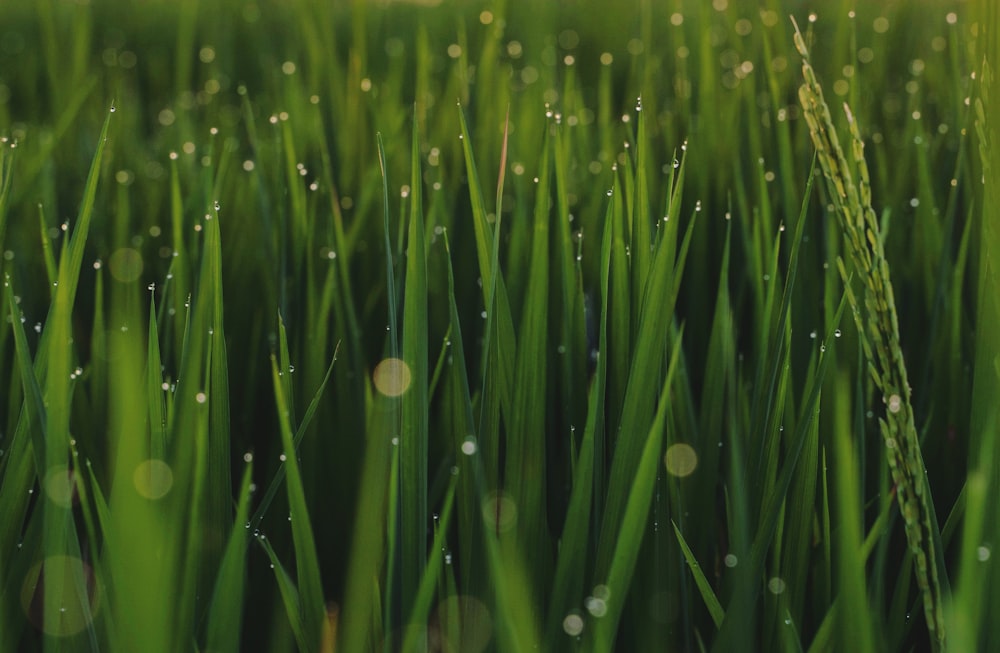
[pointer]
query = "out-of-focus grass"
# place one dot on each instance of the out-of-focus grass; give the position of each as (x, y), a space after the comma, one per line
(529, 318)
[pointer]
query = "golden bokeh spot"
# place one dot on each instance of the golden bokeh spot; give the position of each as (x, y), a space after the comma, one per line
(59, 580)
(60, 486)
(461, 624)
(499, 512)
(392, 377)
(153, 478)
(681, 459)
(125, 264)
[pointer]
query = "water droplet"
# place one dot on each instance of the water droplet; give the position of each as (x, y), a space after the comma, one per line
(113, 109)
(217, 207)
(837, 333)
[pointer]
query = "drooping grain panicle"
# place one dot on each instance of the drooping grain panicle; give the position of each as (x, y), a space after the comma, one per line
(874, 309)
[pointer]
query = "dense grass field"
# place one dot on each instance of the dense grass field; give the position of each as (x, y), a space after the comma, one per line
(576, 325)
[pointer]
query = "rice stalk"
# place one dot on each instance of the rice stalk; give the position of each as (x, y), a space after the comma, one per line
(874, 311)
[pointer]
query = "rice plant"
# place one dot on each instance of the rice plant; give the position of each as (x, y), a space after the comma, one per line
(498, 326)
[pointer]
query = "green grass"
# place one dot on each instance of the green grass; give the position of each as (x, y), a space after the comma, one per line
(498, 326)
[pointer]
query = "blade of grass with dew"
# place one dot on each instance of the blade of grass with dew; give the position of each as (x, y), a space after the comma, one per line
(638, 406)
(26, 453)
(285, 370)
(633, 522)
(525, 477)
(360, 627)
(279, 476)
(500, 351)
(154, 390)
(620, 340)
(428, 583)
(518, 629)
(768, 376)
(855, 625)
(214, 494)
(704, 587)
(797, 531)
(393, 606)
(306, 559)
(746, 591)
(641, 240)
(59, 538)
(72, 255)
(290, 598)
(148, 522)
(182, 283)
(878, 323)
(461, 420)
(225, 610)
(574, 542)
(717, 368)
(47, 256)
(568, 323)
(414, 432)
(6, 180)
(34, 415)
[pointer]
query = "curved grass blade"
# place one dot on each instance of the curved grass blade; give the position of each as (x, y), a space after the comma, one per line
(306, 561)
(307, 418)
(639, 404)
(525, 478)
(428, 583)
(704, 587)
(414, 431)
(290, 598)
(569, 573)
(225, 612)
(634, 518)
(747, 589)
(501, 345)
